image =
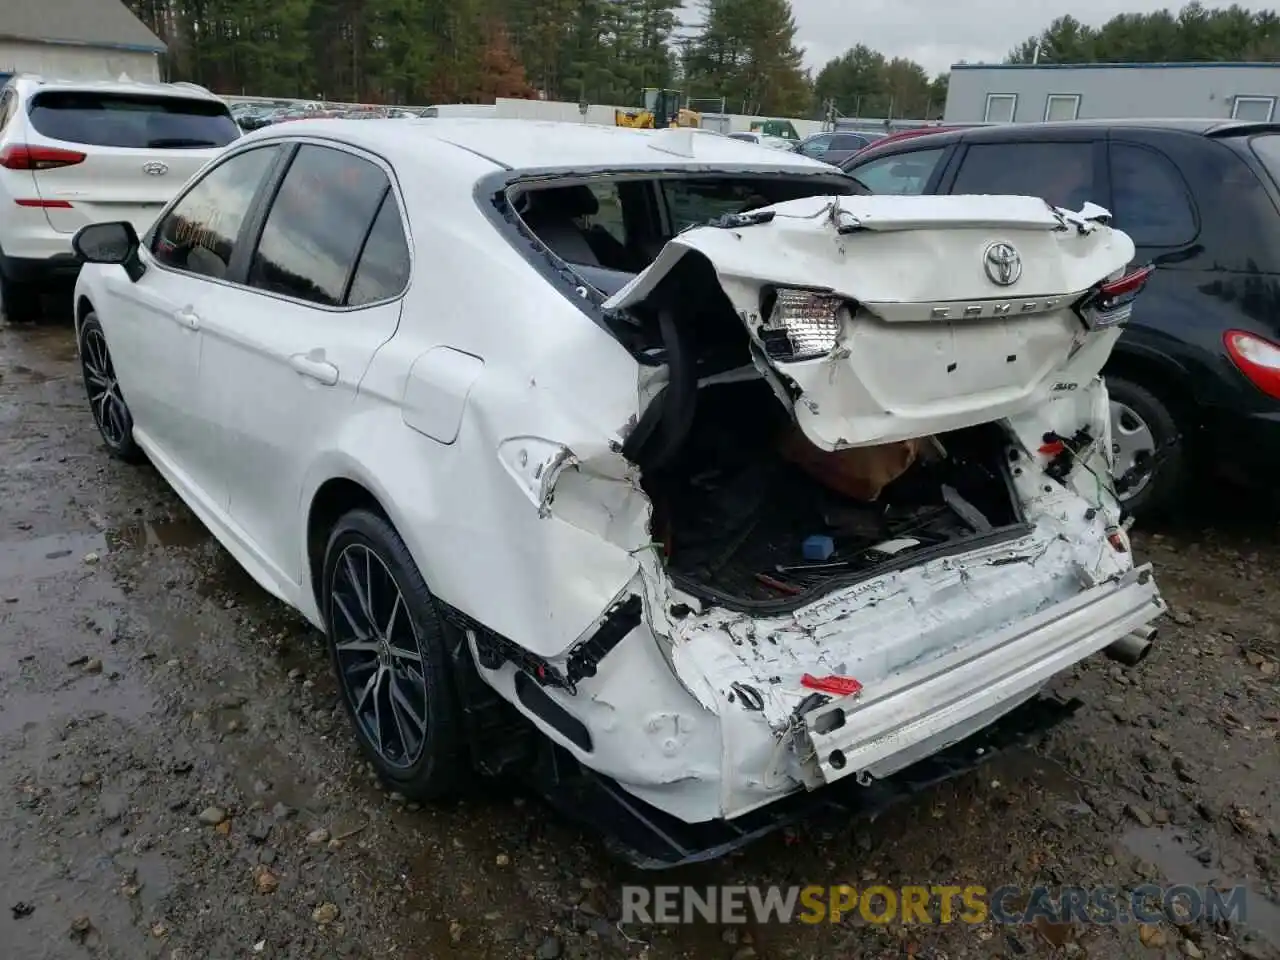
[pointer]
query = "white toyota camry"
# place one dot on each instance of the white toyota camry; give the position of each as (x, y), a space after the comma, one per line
(680, 474)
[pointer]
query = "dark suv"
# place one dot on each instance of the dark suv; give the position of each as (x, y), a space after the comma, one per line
(1195, 377)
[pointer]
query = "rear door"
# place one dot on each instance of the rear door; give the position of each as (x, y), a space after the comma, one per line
(136, 150)
(286, 347)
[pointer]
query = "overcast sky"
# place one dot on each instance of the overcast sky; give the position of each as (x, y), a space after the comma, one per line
(938, 33)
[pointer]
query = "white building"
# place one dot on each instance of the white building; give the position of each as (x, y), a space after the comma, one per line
(76, 40)
(1025, 92)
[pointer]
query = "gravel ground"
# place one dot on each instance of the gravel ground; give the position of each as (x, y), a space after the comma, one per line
(179, 779)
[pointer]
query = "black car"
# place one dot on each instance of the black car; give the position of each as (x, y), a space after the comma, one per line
(835, 148)
(1195, 376)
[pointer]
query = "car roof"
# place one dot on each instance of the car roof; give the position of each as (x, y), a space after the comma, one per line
(28, 84)
(539, 144)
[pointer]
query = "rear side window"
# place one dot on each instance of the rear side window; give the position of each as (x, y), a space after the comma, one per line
(903, 174)
(1061, 173)
(384, 263)
(132, 121)
(1149, 198)
(317, 225)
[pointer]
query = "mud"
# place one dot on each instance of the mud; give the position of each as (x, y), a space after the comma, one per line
(179, 780)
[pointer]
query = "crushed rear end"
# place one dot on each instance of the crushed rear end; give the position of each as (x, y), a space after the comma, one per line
(868, 495)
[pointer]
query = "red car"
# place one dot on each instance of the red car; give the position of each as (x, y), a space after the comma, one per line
(904, 134)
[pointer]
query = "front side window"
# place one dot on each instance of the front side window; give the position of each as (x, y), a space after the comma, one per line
(1149, 197)
(199, 232)
(317, 224)
(132, 121)
(1001, 107)
(903, 174)
(1061, 173)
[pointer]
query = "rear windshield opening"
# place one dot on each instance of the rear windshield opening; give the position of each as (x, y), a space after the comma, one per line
(615, 227)
(132, 121)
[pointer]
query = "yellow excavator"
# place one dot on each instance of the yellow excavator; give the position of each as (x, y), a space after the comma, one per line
(661, 109)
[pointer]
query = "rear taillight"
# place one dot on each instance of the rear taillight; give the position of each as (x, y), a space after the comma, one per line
(800, 324)
(1257, 358)
(21, 156)
(1112, 302)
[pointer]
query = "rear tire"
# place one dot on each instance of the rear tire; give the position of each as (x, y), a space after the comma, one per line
(19, 301)
(390, 652)
(106, 401)
(1140, 419)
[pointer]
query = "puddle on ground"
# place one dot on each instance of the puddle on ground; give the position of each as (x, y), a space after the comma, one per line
(176, 532)
(47, 556)
(1174, 855)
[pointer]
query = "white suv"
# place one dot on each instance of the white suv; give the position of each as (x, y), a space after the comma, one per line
(74, 153)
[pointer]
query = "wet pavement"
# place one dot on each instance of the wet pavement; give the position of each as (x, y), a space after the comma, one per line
(179, 779)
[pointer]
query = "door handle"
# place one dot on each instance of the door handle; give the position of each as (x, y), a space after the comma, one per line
(315, 366)
(188, 318)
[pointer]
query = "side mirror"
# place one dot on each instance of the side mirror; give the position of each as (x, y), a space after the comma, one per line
(115, 242)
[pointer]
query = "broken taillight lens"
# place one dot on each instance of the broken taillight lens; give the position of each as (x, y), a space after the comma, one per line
(801, 325)
(1112, 302)
(1257, 358)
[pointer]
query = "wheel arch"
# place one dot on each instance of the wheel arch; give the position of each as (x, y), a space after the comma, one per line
(336, 496)
(84, 307)
(1163, 376)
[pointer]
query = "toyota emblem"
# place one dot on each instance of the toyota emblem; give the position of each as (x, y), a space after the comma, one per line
(154, 168)
(1003, 264)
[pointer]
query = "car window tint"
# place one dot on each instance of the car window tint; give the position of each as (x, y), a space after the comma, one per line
(903, 174)
(384, 263)
(316, 224)
(1061, 173)
(199, 233)
(132, 120)
(1149, 197)
(847, 142)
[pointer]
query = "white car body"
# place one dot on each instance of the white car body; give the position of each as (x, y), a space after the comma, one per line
(59, 170)
(487, 409)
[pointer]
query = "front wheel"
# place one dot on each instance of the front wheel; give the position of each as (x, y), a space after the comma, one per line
(1146, 447)
(390, 652)
(106, 402)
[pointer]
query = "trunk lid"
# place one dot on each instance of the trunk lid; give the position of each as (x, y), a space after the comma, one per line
(943, 312)
(138, 150)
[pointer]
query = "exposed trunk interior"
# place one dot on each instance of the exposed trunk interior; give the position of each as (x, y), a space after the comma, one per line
(734, 508)
(738, 490)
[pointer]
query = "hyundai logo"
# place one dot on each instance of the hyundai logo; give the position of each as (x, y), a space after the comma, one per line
(1003, 264)
(154, 168)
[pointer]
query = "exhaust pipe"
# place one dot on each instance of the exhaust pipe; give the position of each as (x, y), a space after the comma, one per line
(1132, 648)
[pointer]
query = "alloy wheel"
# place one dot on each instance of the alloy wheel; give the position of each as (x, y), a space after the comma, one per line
(105, 399)
(379, 656)
(1132, 443)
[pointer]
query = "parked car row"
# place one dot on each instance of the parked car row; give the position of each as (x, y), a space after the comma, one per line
(253, 116)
